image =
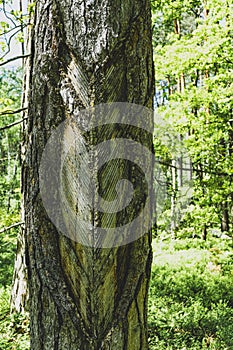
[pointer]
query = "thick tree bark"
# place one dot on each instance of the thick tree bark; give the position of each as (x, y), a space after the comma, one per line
(19, 293)
(84, 53)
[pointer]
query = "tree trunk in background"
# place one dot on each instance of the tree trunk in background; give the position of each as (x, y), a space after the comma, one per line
(96, 52)
(173, 199)
(225, 225)
(177, 163)
(20, 292)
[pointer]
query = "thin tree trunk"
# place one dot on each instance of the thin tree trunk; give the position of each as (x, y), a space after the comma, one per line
(173, 199)
(20, 290)
(177, 163)
(225, 225)
(205, 232)
(19, 293)
(8, 173)
(83, 54)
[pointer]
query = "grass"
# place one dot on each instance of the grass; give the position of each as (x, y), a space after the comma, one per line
(191, 296)
(14, 328)
(190, 300)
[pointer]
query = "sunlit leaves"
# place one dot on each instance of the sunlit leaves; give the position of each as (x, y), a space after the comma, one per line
(10, 98)
(202, 56)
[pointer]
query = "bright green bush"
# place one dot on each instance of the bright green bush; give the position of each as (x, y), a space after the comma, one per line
(191, 298)
(14, 329)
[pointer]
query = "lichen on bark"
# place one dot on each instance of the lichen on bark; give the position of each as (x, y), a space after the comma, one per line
(84, 53)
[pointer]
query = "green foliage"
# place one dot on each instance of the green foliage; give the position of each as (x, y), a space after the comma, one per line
(7, 247)
(193, 70)
(10, 87)
(191, 296)
(14, 328)
(12, 25)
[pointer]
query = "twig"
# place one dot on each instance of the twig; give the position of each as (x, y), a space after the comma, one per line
(6, 13)
(12, 226)
(10, 30)
(8, 42)
(13, 112)
(204, 171)
(14, 59)
(13, 124)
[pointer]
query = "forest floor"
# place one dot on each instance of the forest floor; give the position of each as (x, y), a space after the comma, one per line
(191, 295)
(190, 301)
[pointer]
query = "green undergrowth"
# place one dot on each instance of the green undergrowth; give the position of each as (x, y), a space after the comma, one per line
(14, 328)
(7, 247)
(191, 295)
(190, 300)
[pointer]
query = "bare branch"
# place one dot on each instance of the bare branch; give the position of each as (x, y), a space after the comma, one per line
(13, 112)
(4, 229)
(205, 171)
(13, 124)
(8, 42)
(14, 59)
(6, 13)
(22, 28)
(10, 30)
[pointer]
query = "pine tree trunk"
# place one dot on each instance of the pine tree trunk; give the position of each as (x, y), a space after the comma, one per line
(83, 54)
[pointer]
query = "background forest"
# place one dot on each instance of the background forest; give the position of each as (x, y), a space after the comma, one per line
(191, 293)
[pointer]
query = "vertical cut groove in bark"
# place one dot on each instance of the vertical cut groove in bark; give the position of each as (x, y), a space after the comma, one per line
(84, 53)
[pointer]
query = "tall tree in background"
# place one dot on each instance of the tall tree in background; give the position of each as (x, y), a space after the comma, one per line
(14, 21)
(95, 52)
(202, 55)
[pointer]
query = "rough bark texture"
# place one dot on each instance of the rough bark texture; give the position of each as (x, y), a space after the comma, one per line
(19, 293)
(84, 53)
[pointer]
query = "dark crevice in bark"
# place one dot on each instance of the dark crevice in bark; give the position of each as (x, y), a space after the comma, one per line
(141, 322)
(128, 291)
(125, 331)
